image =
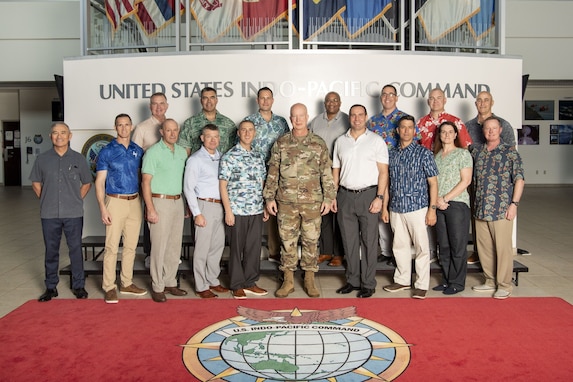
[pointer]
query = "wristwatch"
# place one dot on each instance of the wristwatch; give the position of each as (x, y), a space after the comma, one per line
(381, 197)
(514, 202)
(433, 206)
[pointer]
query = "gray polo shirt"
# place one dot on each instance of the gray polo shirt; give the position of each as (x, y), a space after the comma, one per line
(61, 178)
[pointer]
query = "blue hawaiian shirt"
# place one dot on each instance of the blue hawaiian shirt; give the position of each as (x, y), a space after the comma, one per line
(245, 171)
(267, 132)
(387, 127)
(122, 166)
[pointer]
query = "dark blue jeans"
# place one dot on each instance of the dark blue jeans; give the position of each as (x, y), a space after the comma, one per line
(452, 231)
(72, 229)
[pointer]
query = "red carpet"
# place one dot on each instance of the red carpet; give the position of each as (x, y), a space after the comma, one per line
(450, 339)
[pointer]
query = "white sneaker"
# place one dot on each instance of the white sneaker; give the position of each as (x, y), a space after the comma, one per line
(483, 288)
(501, 294)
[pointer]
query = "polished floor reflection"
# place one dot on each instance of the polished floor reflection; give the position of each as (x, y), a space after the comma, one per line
(544, 229)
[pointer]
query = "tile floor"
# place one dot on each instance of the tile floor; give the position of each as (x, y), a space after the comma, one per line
(544, 229)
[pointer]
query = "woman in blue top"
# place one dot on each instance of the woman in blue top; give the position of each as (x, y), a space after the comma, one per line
(455, 166)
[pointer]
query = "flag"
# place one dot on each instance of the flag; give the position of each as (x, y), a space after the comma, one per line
(260, 15)
(318, 14)
(361, 14)
(118, 10)
(439, 17)
(481, 24)
(154, 15)
(216, 17)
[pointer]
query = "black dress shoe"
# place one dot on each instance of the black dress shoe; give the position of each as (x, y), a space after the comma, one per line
(365, 293)
(347, 289)
(48, 295)
(80, 293)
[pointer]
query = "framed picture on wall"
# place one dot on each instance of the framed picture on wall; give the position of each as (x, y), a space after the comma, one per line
(539, 110)
(561, 135)
(566, 110)
(528, 135)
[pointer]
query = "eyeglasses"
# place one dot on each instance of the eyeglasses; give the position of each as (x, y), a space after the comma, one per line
(336, 100)
(391, 95)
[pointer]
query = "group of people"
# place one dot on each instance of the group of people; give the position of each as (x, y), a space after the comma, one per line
(345, 187)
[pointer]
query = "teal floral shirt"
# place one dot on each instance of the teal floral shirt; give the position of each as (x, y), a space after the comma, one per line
(245, 173)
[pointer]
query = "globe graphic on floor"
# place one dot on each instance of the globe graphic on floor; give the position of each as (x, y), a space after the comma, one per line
(296, 355)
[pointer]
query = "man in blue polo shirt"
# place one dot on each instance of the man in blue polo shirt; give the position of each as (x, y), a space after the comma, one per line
(61, 179)
(117, 193)
(413, 198)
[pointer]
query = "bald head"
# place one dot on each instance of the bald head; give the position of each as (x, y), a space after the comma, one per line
(484, 103)
(299, 118)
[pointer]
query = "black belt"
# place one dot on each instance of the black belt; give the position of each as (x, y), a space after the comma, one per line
(360, 190)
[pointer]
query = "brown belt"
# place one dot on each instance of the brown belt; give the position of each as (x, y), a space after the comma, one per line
(163, 196)
(210, 200)
(125, 197)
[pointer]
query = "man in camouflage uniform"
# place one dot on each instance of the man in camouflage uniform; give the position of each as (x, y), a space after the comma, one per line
(193, 126)
(299, 190)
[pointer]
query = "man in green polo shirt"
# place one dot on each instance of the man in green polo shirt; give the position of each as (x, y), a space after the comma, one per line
(162, 185)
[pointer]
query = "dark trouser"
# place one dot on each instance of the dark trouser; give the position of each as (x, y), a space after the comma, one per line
(245, 257)
(146, 239)
(452, 232)
(359, 229)
(72, 229)
(330, 242)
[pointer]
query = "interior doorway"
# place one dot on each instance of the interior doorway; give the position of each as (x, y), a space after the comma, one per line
(11, 153)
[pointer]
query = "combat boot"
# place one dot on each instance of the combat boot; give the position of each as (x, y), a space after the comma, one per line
(288, 285)
(309, 286)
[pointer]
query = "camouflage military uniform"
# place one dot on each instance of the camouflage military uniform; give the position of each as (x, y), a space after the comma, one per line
(299, 180)
(191, 132)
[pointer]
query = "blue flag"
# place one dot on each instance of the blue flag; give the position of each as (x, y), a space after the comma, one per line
(361, 14)
(317, 14)
(481, 24)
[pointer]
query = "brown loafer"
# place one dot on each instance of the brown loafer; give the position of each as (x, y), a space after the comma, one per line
(207, 294)
(158, 296)
(323, 258)
(175, 291)
(336, 261)
(218, 289)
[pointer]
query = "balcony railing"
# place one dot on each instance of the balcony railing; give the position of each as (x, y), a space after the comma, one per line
(472, 26)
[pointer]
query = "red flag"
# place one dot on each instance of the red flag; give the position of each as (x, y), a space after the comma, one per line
(118, 10)
(260, 15)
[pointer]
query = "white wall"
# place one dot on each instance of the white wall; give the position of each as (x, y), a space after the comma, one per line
(9, 111)
(542, 33)
(35, 118)
(35, 36)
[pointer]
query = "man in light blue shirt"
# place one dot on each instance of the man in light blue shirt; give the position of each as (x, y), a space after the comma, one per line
(201, 187)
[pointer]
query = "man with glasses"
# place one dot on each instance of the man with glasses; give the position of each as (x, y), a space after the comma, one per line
(329, 125)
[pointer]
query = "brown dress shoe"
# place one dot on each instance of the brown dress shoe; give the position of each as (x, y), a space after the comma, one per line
(175, 291)
(207, 294)
(158, 296)
(323, 258)
(218, 289)
(336, 261)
